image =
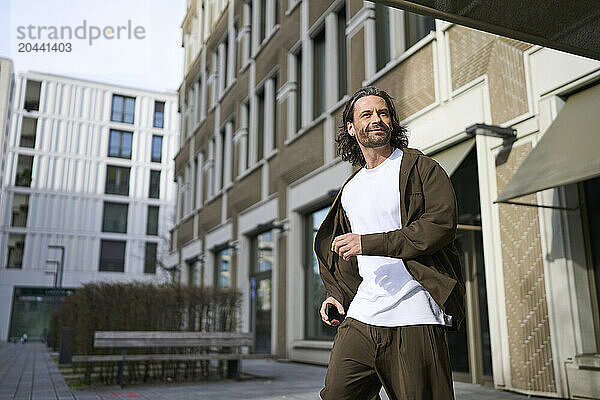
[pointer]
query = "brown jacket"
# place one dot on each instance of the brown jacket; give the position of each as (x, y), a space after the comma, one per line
(425, 242)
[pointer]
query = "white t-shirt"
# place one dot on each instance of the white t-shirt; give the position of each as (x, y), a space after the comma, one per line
(388, 294)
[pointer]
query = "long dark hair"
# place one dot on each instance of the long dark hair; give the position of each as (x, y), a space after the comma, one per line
(347, 146)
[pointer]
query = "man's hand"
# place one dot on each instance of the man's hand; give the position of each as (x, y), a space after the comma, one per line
(336, 303)
(347, 245)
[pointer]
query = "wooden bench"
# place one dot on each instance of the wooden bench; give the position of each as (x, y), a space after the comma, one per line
(123, 340)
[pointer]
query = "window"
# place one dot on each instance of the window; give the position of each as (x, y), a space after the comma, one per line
(199, 99)
(20, 209)
(224, 48)
(299, 90)
(222, 155)
(16, 245)
(115, 217)
(262, 15)
(156, 148)
(590, 192)
(159, 114)
(314, 290)
(154, 192)
(212, 174)
(262, 247)
(342, 59)
(261, 290)
(245, 119)
(247, 32)
(222, 269)
(24, 168)
(117, 180)
(416, 27)
(272, 111)
(112, 255)
(150, 258)
(382, 35)
(120, 144)
(260, 126)
(32, 95)
(28, 130)
(319, 72)
(122, 109)
(152, 221)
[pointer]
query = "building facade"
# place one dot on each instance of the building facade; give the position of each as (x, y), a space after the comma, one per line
(87, 189)
(265, 85)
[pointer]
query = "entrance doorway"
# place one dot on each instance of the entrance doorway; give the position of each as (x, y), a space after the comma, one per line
(260, 291)
(470, 350)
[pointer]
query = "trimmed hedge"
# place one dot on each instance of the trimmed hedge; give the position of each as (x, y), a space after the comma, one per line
(143, 307)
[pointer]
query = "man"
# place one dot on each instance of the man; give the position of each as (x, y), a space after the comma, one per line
(387, 260)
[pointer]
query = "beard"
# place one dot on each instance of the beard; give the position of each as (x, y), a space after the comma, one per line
(374, 139)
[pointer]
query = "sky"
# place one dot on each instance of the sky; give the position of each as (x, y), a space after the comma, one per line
(147, 55)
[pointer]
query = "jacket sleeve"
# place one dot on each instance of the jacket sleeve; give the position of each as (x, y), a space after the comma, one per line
(326, 258)
(434, 229)
(331, 285)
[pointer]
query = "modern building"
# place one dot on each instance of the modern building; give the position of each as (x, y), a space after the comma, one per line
(88, 192)
(7, 91)
(265, 84)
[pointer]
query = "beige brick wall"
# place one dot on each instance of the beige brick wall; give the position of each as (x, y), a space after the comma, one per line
(411, 83)
(529, 339)
(474, 53)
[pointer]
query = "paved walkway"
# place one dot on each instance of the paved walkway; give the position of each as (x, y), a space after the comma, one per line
(28, 372)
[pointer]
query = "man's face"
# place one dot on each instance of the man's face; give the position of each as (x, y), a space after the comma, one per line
(372, 125)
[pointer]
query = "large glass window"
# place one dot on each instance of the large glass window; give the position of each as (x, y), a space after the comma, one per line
(159, 114)
(469, 244)
(260, 290)
(156, 148)
(20, 209)
(152, 221)
(591, 189)
(16, 245)
(123, 109)
(24, 170)
(150, 258)
(154, 192)
(32, 95)
(28, 131)
(223, 268)
(115, 217)
(319, 74)
(120, 144)
(112, 255)
(314, 290)
(117, 180)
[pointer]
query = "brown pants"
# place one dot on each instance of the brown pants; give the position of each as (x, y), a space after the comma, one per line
(412, 362)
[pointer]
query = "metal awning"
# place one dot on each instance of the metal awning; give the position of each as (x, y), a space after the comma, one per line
(451, 158)
(568, 152)
(572, 26)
